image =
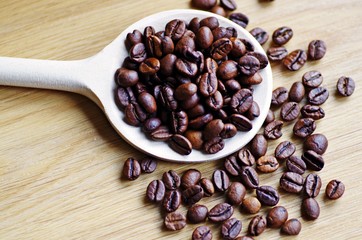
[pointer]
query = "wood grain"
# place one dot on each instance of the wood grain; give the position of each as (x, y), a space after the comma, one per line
(60, 160)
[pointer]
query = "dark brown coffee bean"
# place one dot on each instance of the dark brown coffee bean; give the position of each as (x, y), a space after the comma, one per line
(207, 186)
(190, 178)
(161, 133)
(151, 124)
(241, 122)
(276, 217)
(192, 194)
(249, 65)
(316, 142)
(167, 99)
(312, 185)
(148, 164)
(289, 111)
(295, 164)
(171, 180)
(124, 97)
(313, 160)
(296, 92)
(267, 195)
(291, 182)
(172, 200)
(245, 157)
(214, 145)
(231, 228)
(249, 177)
(273, 129)
(197, 213)
(175, 221)
(257, 225)
(221, 48)
(179, 122)
(310, 209)
(263, 60)
(242, 100)
(210, 65)
(284, 150)
(238, 47)
(232, 86)
(277, 53)
(235, 193)
(155, 191)
(291, 227)
(304, 127)
(221, 32)
(282, 35)
(202, 233)
(190, 102)
(312, 111)
(251, 80)
(220, 212)
(175, 29)
(210, 22)
(203, 4)
(133, 38)
(218, 10)
(335, 189)
(186, 45)
(228, 4)
(232, 165)
(345, 86)
(279, 96)
(154, 46)
(186, 68)
(148, 31)
(253, 112)
(138, 53)
(229, 131)
(195, 138)
(196, 111)
(258, 145)
(227, 70)
(318, 96)
(126, 78)
(201, 121)
(180, 144)
(207, 84)
(295, 60)
(312, 79)
(239, 18)
(185, 91)
(269, 117)
(267, 164)
(131, 169)
(204, 37)
(251, 205)
(260, 35)
(213, 129)
(221, 180)
(317, 49)
(148, 102)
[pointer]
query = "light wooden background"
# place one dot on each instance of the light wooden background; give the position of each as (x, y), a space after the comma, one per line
(60, 160)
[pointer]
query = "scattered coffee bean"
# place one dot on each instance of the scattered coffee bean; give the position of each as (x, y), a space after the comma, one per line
(231, 228)
(284, 150)
(289, 111)
(260, 35)
(202, 233)
(318, 96)
(276, 217)
(295, 60)
(269, 117)
(190, 178)
(304, 127)
(313, 160)
(235, 193)
(203, 4)
(312, 111)
(291, 227)
(273, 129)
(258, 145)
(317, 49)
(221, 180)
(246, 157)
(171, 180)
(279, 96)
(345, 86)
(335, 189)
(197, 213)
(257, 225)
(220, 212)
(267, 195)
(267, 164)
(239, 18)
(155, 191)
(282, 35)
(295, 164)
(251, 205)
(218, 10)
(312, 79)
(171, 200)
(207, 186)
(175, 221)
(277, 53)
(296, 92)
(312, 185)
(192, 194)
(148, 164)
(232, 165)
(291, 182)
(228, 4)
(316, 142)
(310, 209)
(250, 177)
(131, 169)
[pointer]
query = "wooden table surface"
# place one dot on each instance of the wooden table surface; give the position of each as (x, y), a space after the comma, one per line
(60, 159)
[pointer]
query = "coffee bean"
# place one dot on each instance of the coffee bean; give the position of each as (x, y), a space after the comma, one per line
(312, 111)
(134, 114)
(207, 84)
(185, 91)
(179, 122)
(235, 193)
(316, 142)
(251, 205)
(190, 103)
(267, 164)
(221, 180)
(197, 213)
(279, 96)
(257, 225)
(345, 86)
(228, 4)
(175, 29)
(242, 100)
(238, 47)
(276, 217)
(203, 4)
(295, 60)
(263, 60)
(317, 49)
(124, 97)
(289, 111)
(229, 131)
(220, 212)
(221, 48)
(190, 178)
(295, 164)
(250, 177)
(245, 157)
(291, 227)
(231, 228)
(167, 99)
(210, 22)
(291, 182)
(207, 186)
(241, 122)
(186, 68)
(284, 150)
(249, 65)
(200, 121)
(310, 209)
(277, 53)
(227, 70)
(239, 18)
(175, 221)
(273, 129)
(312, 185)
(269, 117)
(192, 194)
(161, 133)
(318, 96)
(148, 31)
(313, 160)
(335, 189)
(204, 37)
(296, 92)
(155, 191)
(214, 145)
(312, 79)
(202, 233)
(180, 144)
(218, 10)
(126, 77)
(148, 164)
(131, 169)
(171, 201)
(267, 195)
(232, 165)
(221, 32)
(171, 180)
(304, 127)
(148, 102)
(258, 145)
(151, 124)
(282, 35)
(138, 53)
(133, 38)
(260, 35)
(210, 65)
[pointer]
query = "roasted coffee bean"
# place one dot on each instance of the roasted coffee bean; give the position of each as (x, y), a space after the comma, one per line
(296, 92)
(194, 24)
(221, 32)
(312, 185)
(131, 169)
(207, 84)
(232, 165)
(239, 18)
(267, 195)
(257, 225)
(129, 64)
(218, 10)
(235, 193)
(310, 209)
(213, 129)
(276, 217)
(228, 4)
(195, 138)
(295, 60)
(197, 213)
(304, 127)
(221, 48)
(313, 160)
(260, 35)
(204, 37)
(155, 191)
(284, 150)
(148, 164)
(167, 64)
(180, 144)
(227, 70)
(317, 49)
(203, 4)
(210, 65)
(251, 205)
(316, 142)
(221, 180)
(149, 31)
(282, 35)
(251, 80)
(335, 189)
(277, 53)
(175, 221)
(207, 186)
(190, 102)
(241, 122)
(242, 100)
(151, 124)
(345, 86)
(133, 38)
(126, 77)
(263, 60)
(196, 111)
(148, 102)
(179, 122)
(249, 65)
(289, 111)
(238, 48)
(161, 133)
(253, 112)
(201, 121)
(192, 194)
(279, 96)
(231, 228)
(291, 227)
(167, 99)
(295, 164)
(232, 86)
(124, 97)
(245, 157)
(258, 145)
(273, 129)
(220, 212)
(175, 29)
(154, 46)
(171, 201)
(202, 233)
(214, 145)
(269, 117)
(229, 131)
(250, 177)
(171, 180)
(185, 91)
(318, 96)
(185, 67)
(312, 111)
(312, 79)
(291, 182)
(190, 178)
(267, 164)
(138, 53)
(186, 45)
(210, 22)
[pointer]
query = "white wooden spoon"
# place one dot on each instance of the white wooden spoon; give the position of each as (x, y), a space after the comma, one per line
(93, 77)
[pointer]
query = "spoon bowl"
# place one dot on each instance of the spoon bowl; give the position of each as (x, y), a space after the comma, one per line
(93, 77)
